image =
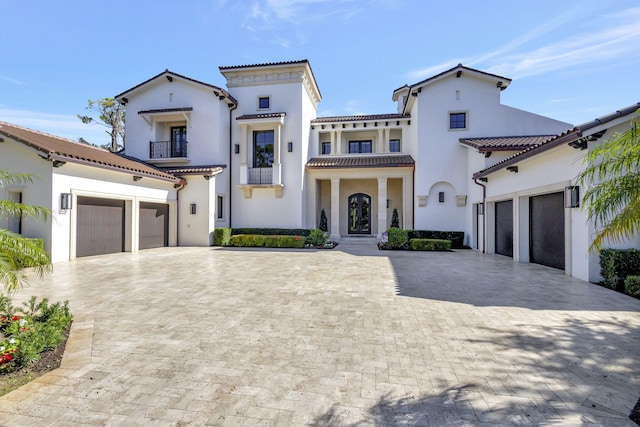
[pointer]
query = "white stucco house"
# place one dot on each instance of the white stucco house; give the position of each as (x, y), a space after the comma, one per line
(255, 154)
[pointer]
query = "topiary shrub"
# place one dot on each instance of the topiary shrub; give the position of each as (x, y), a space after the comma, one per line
(272, 231)
(397, 238)
(430, 245)
(395, 220)
(617, 264)
(323, 222)
(632, 286)
(221, 236)
(260, 241)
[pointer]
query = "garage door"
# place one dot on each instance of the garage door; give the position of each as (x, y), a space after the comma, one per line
(154, 225)
(100, 226)
(546, 230)
(504, 228)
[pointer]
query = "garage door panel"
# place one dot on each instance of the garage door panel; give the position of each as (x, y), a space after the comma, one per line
(546, 230)
(154, 225)
(504, 228)
(100, 226)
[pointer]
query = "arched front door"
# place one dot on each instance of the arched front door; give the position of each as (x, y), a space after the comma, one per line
(359, 214)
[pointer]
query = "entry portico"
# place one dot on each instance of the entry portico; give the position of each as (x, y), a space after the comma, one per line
(360, 193)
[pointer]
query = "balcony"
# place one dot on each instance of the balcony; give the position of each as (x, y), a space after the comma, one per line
(260, 176)
(167, 149)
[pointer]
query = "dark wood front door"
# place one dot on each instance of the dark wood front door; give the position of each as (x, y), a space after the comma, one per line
(359, 214)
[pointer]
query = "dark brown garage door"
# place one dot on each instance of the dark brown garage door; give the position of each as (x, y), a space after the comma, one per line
(504, 228)
(546, 230)
(100, 226)
(154, 225)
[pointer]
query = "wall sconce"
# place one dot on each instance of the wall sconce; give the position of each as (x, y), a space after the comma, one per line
(290, 146)
(137, 178)
(572, 196)
(441, 197)
(65, 201)
(513, 169)
(236, 149)
(387, 203)
(193, 208)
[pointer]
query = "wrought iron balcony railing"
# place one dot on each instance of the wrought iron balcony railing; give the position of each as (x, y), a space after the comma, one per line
(261, 176)
(166, 149)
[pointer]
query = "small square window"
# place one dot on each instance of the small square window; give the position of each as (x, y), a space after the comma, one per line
(457, 120)
(326, 148)
(264, 102)
(394, 145)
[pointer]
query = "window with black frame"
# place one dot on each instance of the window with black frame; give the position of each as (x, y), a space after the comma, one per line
(263, 149)
(360, 146)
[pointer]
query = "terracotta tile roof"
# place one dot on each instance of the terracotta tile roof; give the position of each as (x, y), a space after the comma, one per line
(360, 161)
(566, 137)
(167, 110)
(369, 117)
(505, 143)
(266, 64)
(196, 170)
(261, 116)
(65, 150)
(172, 74)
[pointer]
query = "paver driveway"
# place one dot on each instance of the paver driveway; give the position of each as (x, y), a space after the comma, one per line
(353, 336)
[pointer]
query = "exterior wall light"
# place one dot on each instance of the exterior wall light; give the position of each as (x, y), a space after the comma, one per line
(236, 149)
(137, 178)
(65, 201)
(290, 146)
(572, 196)
(192, 208)
(441, 197)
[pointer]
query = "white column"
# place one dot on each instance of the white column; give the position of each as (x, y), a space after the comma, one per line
(382, 206)
(382, 147)
(335, 208)
(244, 155)
(277, 145)
(338, 141)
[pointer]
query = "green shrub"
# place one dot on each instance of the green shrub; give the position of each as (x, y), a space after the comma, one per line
(632, 286)
(23, 338)
(397, 238)
(260, 241)
(430, 245)
(272, 231)
(316, 238)
(617, 264)
(221, 236)
(456, 237)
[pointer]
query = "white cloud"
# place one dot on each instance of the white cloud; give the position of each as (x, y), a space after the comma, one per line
(11, 80)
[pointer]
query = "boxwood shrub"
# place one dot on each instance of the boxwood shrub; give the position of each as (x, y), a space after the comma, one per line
(456, 237)
(617, 264)
(261, 241)
(632, 286)
(221, 236)
(272, 231)
(397, 238)
(430, 245)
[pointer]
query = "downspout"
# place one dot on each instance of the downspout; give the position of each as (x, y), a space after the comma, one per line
(231, 108)
(484, 215)
(183, 183)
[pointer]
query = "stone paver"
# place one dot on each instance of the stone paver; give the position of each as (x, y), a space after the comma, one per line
(353, 336)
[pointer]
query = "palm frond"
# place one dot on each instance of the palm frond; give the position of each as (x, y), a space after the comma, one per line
(9, 208)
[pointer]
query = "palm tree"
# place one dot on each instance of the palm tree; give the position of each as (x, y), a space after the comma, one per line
(612, 179)
(16, 251)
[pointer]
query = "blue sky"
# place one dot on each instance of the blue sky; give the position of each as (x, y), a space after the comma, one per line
(570, 60)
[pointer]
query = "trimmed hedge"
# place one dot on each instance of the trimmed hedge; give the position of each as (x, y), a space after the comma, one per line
(430, 245)
(456, 237)
(272, 231)
(632, 286)
(261, 241)
(221, 236)
(617, 264)
(397, 238)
